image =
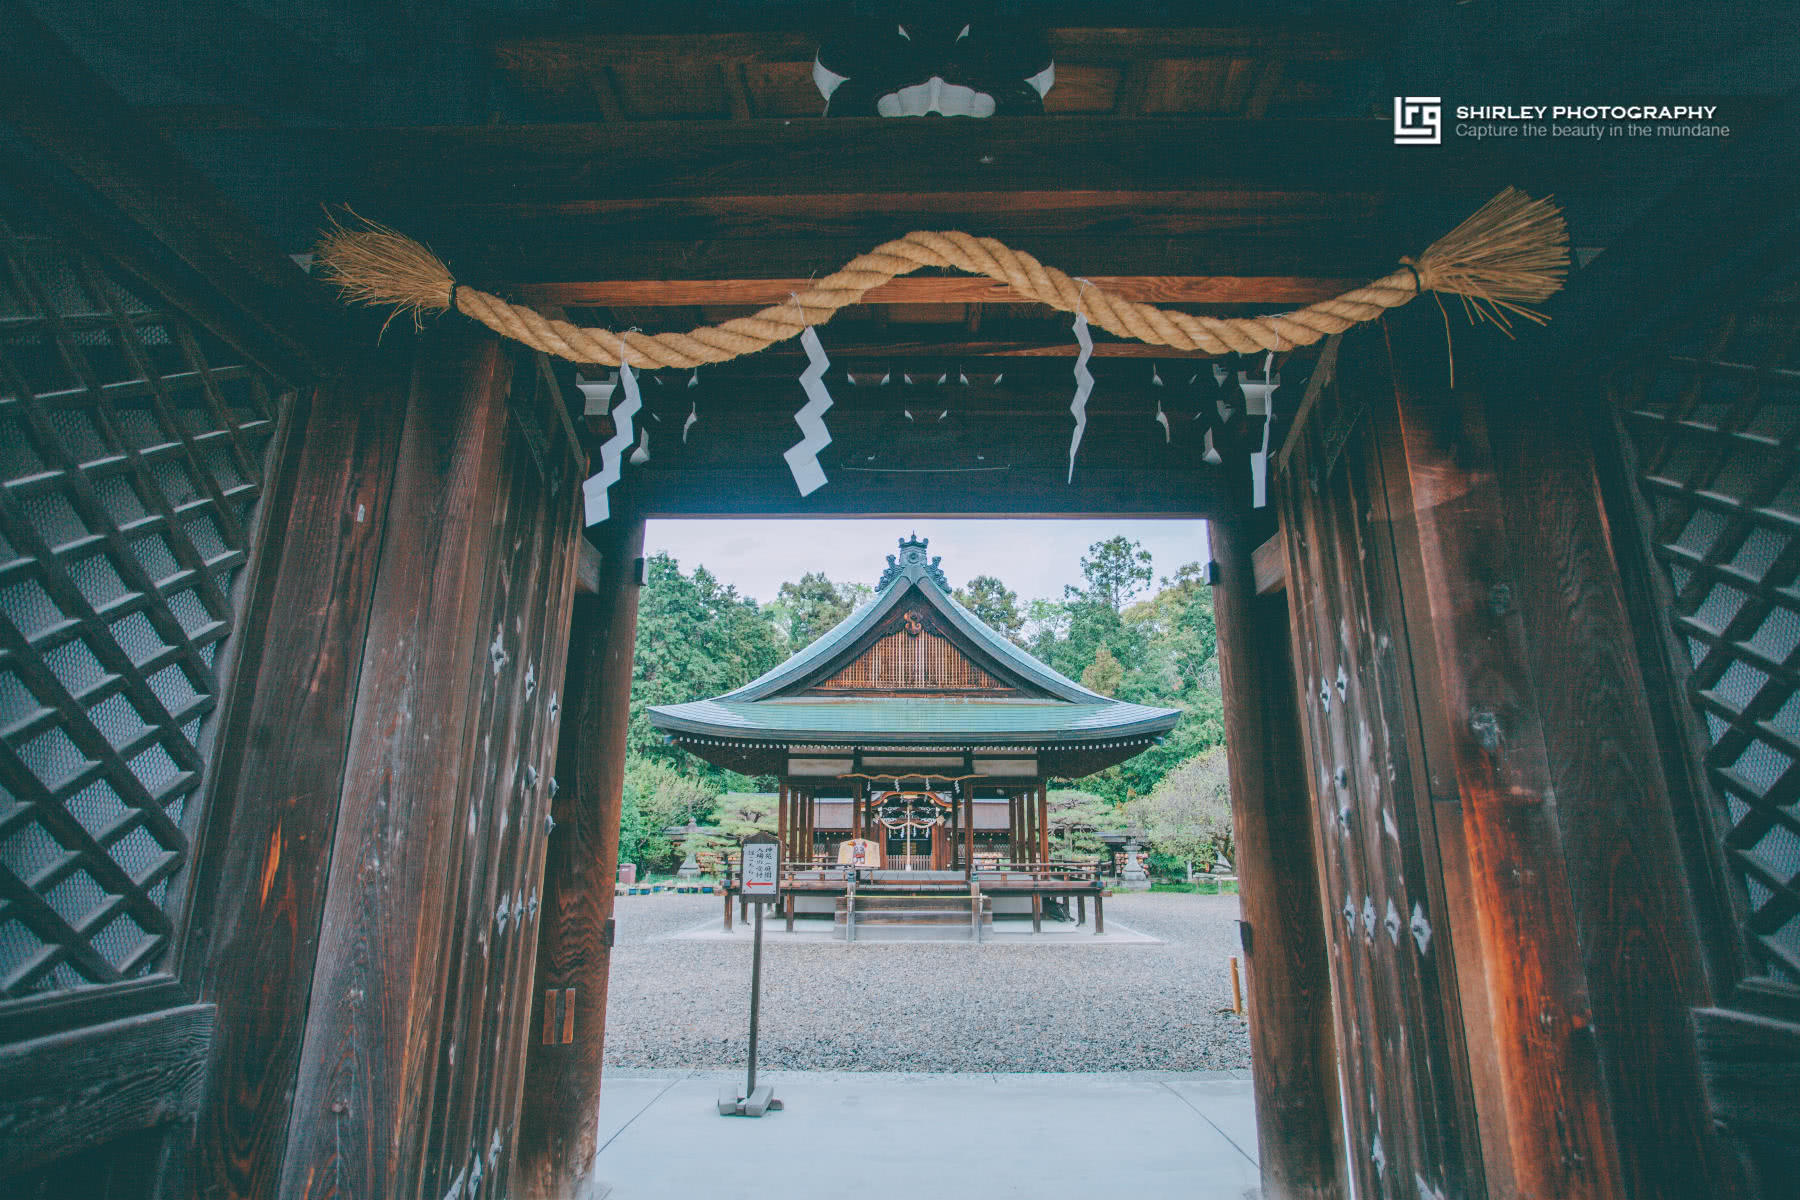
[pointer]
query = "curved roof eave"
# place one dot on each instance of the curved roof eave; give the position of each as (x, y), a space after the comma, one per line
(1155, 722)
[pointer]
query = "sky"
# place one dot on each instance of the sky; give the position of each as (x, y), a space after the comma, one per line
(1033, 558)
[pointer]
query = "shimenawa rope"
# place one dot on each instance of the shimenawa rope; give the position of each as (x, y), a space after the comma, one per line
(1511, 253)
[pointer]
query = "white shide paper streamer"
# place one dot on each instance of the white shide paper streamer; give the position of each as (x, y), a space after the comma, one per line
(1259, 400)
(593, 492)
(1084, 383)
(803, 459)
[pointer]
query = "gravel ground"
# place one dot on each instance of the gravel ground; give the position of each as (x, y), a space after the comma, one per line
(898, 1006)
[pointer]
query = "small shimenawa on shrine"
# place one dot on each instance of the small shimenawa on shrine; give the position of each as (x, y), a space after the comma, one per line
(913, 745)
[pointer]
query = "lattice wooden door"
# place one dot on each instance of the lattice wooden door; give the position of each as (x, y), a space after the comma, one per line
(134, 449)
(1713, 413)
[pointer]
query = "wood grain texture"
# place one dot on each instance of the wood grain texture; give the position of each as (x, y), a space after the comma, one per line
(1410, 1123)
(260, 890)
(558, 1124)
(1559, 1124)
(363, 1096)
(1268, 565)
(72, 1091)
(1640, 936)
(1037, 492)
(1752, 1069)
(1292, 1042)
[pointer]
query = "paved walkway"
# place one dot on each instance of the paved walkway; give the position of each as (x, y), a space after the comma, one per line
(879, 1136)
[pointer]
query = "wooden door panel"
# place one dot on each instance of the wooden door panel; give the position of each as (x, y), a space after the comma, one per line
(1407, 1098)
(409, 1076)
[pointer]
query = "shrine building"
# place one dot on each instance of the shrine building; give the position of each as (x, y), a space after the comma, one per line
(914, 745)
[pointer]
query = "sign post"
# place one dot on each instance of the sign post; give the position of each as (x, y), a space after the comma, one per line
(761, 886)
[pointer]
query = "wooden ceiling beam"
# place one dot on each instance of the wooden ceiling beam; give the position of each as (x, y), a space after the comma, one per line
(955, 289)
(1054, 163)
(551, 52)
(759, 491)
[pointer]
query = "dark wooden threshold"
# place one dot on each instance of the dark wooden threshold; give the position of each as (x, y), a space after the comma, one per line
(1751, 1064)
(70, 1091)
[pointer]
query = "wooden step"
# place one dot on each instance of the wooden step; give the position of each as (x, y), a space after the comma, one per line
(948, 920)
(946, 911)
(866, 903)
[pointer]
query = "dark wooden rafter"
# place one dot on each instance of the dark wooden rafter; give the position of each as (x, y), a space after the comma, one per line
(767, 75)
(1182, 198)
(84, 156)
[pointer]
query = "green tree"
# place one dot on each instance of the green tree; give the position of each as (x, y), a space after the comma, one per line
(740, 814)
(1116, 570)
(810, 607)
(659, 797)
(1188, 815)
(1104, 674)
(696, 638)
(1076, 819)
(995, 604)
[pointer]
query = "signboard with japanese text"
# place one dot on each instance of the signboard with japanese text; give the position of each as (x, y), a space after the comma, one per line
(762, 867)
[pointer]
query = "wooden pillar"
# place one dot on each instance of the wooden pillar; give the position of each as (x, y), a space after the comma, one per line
(1099, 913)
(1031, 809)
(968, 791)
(1043, 821)
(781, 815)
(955, 828)
(560, 1118)
(1019, 851)
(1292, 1046)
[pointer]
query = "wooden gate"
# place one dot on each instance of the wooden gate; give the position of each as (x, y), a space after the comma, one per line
(413, 1064)
(135, 454)
(1407, 1100)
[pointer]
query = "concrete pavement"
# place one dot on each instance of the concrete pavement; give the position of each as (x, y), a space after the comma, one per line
(853, 1135)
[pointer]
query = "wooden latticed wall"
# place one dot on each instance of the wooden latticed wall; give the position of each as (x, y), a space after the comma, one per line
(1715, 421)
(133, 451)
(911, 661)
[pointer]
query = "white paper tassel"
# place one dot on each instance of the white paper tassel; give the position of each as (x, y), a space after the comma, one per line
(803, 459)
(593, 492)
(1084, 383)
(1259, 400)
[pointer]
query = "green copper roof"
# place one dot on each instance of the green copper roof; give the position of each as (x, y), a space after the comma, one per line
(997, 721)
(1053, 707)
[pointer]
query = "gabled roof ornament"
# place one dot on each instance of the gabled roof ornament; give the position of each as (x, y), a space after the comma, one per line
(913, 564)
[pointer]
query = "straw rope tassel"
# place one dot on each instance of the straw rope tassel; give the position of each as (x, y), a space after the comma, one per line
(1511, 253)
